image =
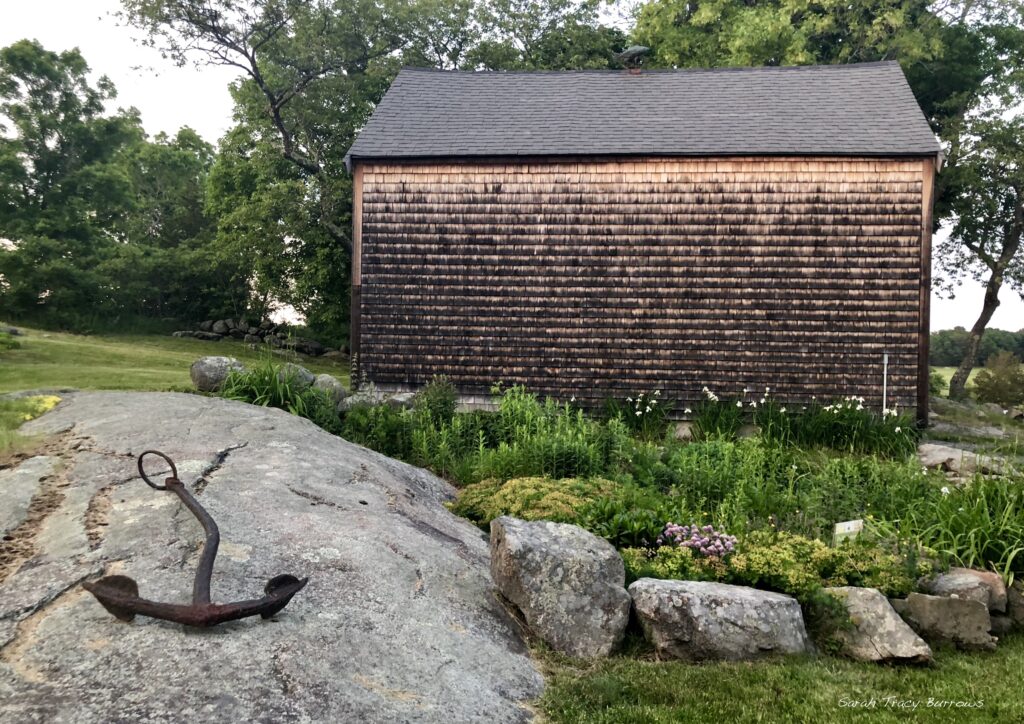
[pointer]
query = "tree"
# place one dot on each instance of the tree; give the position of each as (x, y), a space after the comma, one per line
(711, 33)
(62, 181)
(985, 242)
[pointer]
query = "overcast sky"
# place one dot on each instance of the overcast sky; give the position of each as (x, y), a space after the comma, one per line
(170, 97)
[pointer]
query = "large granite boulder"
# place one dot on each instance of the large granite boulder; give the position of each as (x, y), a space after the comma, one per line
(332, 386)
(877, 632)
(399, 621)
(209, 373)
(701, 621)
(568, 583)
(962, 622)
(297, 375)
(984, 586)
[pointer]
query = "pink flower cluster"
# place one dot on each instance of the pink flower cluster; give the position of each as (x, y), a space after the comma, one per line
(704, 541)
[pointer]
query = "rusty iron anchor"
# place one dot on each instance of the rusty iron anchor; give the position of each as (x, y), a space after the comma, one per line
(120, 594)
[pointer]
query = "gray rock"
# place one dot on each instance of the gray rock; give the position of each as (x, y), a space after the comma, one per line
(237, 333)
(332, 386)
(878, 633)
(209, 373)
(568, 583)
(398, 623)
(254, 331)
(984, 586)
(208, 336)
(335, 354)
(962, 622)
(206, 326)
(183, 333)
(1000, 624)
(1015, 604)
(13, 331)
(252, 339)
(231, 324)
(300, 377)
(307, 346)
(220, 327)
(266, 324)
(401, 400)
(962, 463)
(700, 621)
(368, 395)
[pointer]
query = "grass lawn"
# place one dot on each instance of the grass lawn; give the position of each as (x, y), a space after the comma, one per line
(121, 362)
(947, 373)
(625, 690)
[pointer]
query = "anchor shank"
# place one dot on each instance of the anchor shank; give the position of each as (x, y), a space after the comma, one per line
(204, 572)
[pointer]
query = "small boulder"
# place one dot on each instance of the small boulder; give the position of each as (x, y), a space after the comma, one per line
(300, 377)
(13, 331)
(183, 333)
(231, 323)
(335, 354)
(208, 373)
(568, 583)
(366, 396)
(701, 621)
(402, 400)
(332, 386)
(206, 326)
(307, 346)
(984, 586)
(878, 633)
(1015, 604)
(251, 339)
(220, 327)
(208, 336)
(962, 622)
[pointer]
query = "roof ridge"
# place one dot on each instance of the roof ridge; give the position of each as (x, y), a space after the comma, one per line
(659, 71)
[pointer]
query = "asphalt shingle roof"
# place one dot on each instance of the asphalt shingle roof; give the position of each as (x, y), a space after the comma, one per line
(849, 110)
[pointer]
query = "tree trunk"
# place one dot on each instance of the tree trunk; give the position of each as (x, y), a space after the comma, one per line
(958, 385)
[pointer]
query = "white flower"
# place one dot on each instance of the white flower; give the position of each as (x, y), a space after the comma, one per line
(782, 409)
(638, 413)
(767, 389)
(687, 411)
(745, 390)
(572, 399)
(945, 490)
(753, 404)
(648, 408)
(629, 399)
(739, 403)
(860, 407)
(657, 393)
(899, 429)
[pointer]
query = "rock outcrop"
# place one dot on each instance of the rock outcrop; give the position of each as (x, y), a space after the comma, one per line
(877, 632)
(701, 621)
(399, 621)
(568, 583)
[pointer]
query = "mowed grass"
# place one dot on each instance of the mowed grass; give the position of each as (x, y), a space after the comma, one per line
(947, 373)
(142, 362)
(625, 690)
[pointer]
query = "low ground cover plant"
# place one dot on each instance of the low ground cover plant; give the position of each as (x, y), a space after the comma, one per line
(15, 413)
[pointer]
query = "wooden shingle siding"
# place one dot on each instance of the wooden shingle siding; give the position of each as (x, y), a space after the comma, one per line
(604, 278)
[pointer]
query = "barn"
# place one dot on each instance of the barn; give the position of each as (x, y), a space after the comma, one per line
(595, 234)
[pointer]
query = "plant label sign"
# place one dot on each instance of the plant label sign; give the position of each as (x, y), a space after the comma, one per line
(847, 530)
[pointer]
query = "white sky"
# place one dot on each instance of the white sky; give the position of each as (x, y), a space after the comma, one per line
(170, 97)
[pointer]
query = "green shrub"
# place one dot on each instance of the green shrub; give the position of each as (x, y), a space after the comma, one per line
(630, 516)
(645, 414)
(270, 385)
(1001, 381)
(529, 498)
(437, 401)
(383, 428)
(938, 385)
(787, 563)
(977, 525)
(714, 417)
(8, 342)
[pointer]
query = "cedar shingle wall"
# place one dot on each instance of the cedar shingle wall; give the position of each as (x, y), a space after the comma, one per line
(607, 278)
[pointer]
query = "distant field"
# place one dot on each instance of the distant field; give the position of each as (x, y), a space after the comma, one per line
(143, 362)
(947, 373)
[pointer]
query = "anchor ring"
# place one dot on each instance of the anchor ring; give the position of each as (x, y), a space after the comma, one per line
(142, 472)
